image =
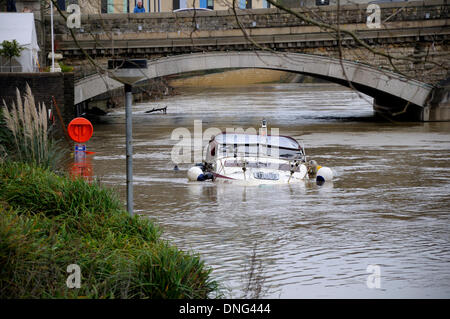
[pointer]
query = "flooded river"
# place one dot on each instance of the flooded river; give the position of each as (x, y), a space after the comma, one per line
(380, 230)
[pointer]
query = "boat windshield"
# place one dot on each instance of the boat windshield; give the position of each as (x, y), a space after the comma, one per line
(235, 144)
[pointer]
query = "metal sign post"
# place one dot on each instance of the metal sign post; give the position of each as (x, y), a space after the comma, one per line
(129, 146)
(128, 72)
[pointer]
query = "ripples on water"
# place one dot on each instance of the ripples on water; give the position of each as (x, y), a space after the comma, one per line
(387, 206)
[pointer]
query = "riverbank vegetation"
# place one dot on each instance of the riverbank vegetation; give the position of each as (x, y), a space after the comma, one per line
(49, 221)
(25, 134)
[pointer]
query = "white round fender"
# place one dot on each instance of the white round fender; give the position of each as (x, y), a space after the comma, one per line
(194, 172)
(324, 174)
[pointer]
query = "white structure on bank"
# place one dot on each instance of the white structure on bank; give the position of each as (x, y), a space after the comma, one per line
(20, 27)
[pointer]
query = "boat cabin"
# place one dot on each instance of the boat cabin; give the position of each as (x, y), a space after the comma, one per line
(226, 145)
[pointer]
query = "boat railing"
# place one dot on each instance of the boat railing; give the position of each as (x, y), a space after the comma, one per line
(261, 164)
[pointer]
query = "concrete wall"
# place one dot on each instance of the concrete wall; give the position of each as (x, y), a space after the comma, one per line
(43, 86)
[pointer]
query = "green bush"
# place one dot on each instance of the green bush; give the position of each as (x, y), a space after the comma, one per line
(48, 222)
(64, 68)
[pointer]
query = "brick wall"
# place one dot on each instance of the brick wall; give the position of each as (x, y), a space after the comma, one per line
(43, 87)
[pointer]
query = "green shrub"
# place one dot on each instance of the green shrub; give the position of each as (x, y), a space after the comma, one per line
(65, 68)
(48, 222)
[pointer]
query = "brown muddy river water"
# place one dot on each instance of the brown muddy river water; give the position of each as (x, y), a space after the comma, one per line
(386, 213)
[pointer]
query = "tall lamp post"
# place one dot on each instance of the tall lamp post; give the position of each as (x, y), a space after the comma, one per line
(53, 38)
(128, 72)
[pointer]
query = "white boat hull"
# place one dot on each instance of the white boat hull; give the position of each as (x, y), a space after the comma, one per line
(265, 174)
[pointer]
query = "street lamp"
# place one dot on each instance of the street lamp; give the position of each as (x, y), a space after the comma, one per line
(53, 37)
(128, 72)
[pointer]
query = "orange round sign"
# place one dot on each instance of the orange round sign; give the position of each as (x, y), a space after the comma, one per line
(80, 130)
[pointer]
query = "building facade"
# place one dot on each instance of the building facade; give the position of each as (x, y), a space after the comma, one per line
(124, 6)
(121, 6)
(127, 6)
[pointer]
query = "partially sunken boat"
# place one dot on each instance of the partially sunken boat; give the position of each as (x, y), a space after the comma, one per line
(255, 159)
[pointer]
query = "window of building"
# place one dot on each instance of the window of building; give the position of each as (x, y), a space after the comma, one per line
(107, 6)
(62, 4)
(322, 2)
(179, 4)
(157, 5)
(245, 4)
(104, 6)
(152, 6)
(110, 6)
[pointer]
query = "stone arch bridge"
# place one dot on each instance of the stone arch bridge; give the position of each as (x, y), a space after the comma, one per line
(391, 91)
(182, 42)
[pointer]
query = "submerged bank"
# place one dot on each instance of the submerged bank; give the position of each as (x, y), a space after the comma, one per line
(48, 222)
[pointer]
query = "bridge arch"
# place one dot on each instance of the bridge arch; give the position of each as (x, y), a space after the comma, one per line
(367, 79)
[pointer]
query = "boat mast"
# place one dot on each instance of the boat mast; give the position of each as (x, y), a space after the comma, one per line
(263, 134)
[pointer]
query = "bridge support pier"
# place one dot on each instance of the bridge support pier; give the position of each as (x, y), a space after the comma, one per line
(399, 110)
(439, 103)
(436, 109)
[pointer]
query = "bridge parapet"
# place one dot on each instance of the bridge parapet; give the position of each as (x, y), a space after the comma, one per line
(168, 22)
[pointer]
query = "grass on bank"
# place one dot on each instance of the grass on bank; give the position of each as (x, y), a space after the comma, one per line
(48, 222)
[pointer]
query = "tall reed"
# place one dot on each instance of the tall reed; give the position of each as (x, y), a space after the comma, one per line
(28, 124)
